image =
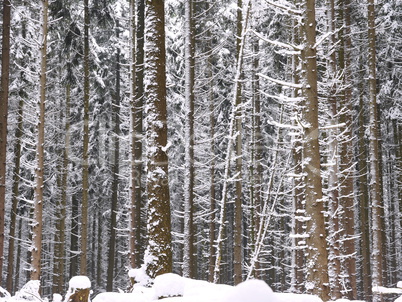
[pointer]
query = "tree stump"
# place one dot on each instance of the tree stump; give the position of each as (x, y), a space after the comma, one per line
(80, 295)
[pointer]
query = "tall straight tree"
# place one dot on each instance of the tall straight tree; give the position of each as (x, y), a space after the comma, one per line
(376, 197)
(40, 152)
(189, 48)
(158, 257)
(238, 223)
(346, 149)
(317, 254)
(85, 153)
(5, 71)
(116, 169)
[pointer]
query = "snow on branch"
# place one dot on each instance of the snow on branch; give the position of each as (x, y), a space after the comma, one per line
(277, 43)
(286, 7)
(282, 83)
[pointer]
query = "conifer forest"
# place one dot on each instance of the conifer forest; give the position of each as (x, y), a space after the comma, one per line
(219, 140)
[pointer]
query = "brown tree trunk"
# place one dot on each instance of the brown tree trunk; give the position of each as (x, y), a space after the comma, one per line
(115, 184)
(85, 152)
(5, 71)
(39, 171)
(189, 259)
(317, 254)
(346, 152)
(374, 161)
(238, 207)
(159, 250)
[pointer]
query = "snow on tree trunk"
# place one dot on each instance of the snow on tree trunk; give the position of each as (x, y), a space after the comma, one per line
(39, 171)
(85, 151)
(5, 71)
(317, 254)
(374, 160)
(189, 263)
(158, 256)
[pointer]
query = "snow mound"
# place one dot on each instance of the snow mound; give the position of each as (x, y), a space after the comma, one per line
(57, 298)
(251, 290)
(4, 294)
(286, 297)
(120, 297)
(169, 285)
(29, 292)
(79, 282)
(140, 276)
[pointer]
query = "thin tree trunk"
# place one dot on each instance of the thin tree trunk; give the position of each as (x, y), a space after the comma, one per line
(212, 184)
(85, 152)
(60, 253)
(317, 254)
(375, 174)
(238, 210)
(346, 153)
(334, 206)
(14, 207)
(158, 258)
(39, 171)
(115, 184)
(189, 259)
(5, 71)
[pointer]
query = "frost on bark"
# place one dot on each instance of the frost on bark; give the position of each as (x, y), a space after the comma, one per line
(40, 154)
(137, 101)
(317, 254)
(189, 263)
(85, 151)
(346, 152)
(374, 160)
(158, 256)
(5, 70)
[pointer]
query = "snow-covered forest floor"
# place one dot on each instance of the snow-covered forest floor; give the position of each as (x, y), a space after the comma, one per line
(174, 288)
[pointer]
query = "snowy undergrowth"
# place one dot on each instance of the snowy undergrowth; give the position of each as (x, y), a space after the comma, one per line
(173, 288)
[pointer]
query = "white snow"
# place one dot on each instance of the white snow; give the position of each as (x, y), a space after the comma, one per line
(251, 290)
(80, 282)
(169, 285)
(139, 275)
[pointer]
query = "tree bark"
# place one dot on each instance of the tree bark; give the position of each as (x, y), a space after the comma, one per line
(158, 257)
(85, 152)
(189, 259)
(116, 169)
(374, 160)
(40, 154)
(346, 152)
(238, 210)
(5, 79)
(317, 254)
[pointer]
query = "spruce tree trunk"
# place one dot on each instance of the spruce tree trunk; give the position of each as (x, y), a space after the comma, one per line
(238, 210)
(317, 254)
(85, 152)
(364, 204)
(5, 71)
(189, 259)
(335, 228)
(60, 236)
(40, 154)
(346, 152)
(377, 251)
(158, 257)
(14, 206)
(115, 184)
